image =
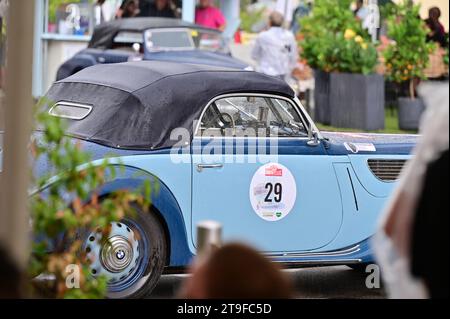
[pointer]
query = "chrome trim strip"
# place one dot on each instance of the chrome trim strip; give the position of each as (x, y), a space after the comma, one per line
(316, 262)
(201, 167)
(82, 106)
(251, 137)
(343, 252)
(317, 256)
(308, 117)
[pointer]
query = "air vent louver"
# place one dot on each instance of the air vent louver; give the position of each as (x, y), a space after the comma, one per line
(386, 170)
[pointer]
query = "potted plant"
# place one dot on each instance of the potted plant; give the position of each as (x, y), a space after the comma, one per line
(348, 92)
(326, 18)
(406, 57)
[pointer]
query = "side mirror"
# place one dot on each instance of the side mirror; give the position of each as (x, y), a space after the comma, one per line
(313, 139)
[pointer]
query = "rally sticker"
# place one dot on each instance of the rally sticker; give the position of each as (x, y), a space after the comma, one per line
(273, 192)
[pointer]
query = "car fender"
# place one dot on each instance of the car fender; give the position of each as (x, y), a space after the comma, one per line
(164, 204)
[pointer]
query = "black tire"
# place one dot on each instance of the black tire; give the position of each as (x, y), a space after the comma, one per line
(153, 249)
(157, 255)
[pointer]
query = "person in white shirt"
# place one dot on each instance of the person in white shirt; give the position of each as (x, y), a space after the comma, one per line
(275, 50)
(105, 10)
(361, 11)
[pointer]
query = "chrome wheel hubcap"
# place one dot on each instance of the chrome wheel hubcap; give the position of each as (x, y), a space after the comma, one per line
(117, 256)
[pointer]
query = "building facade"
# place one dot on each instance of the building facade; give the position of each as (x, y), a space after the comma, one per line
(64, 27)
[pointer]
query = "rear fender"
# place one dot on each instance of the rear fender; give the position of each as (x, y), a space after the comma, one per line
(164, 204)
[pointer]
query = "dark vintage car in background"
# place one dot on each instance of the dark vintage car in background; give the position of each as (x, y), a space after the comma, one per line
(161, 39)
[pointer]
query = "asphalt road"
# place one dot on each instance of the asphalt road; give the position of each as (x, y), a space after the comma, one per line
(322, 282)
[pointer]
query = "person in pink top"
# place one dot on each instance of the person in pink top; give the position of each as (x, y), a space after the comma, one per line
(209, 16)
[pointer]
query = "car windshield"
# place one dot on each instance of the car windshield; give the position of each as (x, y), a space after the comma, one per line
(183, 39)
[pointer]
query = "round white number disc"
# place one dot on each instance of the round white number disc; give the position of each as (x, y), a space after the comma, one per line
(273, 192)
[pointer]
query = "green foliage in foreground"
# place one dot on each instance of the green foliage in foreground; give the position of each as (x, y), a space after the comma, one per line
(71, 176)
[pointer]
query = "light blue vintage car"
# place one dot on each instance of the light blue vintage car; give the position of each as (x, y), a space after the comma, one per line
(231, 146)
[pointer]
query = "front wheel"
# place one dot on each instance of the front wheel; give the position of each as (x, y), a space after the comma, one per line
(132, 258)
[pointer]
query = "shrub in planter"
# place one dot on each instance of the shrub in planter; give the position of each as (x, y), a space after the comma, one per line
(406, 57)
(361, 106)
(409, 112)
(317, 40)
(334, 42)
(322, 96)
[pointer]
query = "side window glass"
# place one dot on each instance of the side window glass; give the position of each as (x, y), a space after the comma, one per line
(252, 116)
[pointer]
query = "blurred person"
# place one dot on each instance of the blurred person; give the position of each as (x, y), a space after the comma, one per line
(431, 228)
(302, 10)
(209, 16)
(159, 8)
(361, 11)
(143, 6)
(128, 9)
(236, 271)
(275, 50)
(99, 12)
(396, 247)
(437, 30)
(11, 279)
(286, 8)
(103, 11)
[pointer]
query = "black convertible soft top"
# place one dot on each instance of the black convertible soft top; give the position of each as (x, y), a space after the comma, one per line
(104, 33)
(136, 105)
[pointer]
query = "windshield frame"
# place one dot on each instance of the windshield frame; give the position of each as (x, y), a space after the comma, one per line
(294, 102)
(187, 30)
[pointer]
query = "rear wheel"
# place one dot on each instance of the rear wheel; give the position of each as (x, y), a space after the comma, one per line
(132, 258)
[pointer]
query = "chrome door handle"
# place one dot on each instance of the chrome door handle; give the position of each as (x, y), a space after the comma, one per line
(201, 167)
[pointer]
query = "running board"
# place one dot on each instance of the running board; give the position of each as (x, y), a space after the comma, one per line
(336, 256)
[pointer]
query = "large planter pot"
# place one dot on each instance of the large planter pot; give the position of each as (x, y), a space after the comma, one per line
(357, 101)
(322, 97)
(409, 113)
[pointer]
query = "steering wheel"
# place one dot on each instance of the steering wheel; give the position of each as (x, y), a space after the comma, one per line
(228, 119)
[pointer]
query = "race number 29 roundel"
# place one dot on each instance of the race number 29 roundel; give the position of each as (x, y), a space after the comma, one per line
(273, 192)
